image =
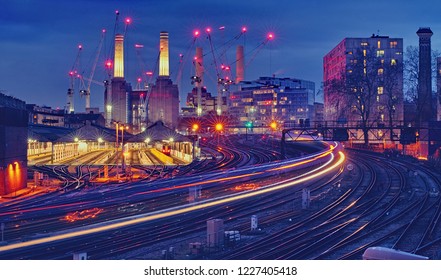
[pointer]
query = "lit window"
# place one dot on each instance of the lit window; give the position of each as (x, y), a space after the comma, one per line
(393, 62)
(364, 52)
(380, 90)
(380, 53)
(382, 117)
(378, 98)
(379, 44)
(380, 71)
(364, 44)
(393, 44)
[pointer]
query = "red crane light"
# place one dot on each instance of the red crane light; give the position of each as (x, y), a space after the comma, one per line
(139, 80)
(196, 33)
(128, 20)
(149, 73)
(244, 29)
(208, 29)
(108, 63)
(270, 36)
(104, 30)
(80, 46)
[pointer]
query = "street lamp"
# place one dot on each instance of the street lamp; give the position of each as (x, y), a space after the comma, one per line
(123, 163)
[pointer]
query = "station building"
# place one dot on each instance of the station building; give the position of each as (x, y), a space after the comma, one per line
(13, 135)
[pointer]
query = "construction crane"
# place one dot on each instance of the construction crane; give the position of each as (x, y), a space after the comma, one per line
(73, 74)
(86, 92)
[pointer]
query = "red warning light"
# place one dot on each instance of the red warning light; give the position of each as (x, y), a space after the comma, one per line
(196, 33)
(104, 30)
(227, 68)
(270, 36)
(128, 20)
(208, 29)
(149, 73)
(108, 63)
(117, 12)
(139, 80)
(80, 46)
(244, 29)
(71, 73)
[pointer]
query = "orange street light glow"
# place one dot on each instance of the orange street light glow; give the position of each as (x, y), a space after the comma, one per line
(219, 127)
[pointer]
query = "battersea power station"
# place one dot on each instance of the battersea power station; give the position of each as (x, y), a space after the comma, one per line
(139, 107)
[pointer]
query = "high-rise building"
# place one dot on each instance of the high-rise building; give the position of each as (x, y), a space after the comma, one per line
(288, 101)
(424, 106)
(163, 102)
(363, 81)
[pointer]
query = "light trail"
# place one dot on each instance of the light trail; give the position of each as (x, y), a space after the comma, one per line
(320, 155)
(130, 221)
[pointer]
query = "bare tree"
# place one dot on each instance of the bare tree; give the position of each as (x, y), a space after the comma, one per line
(411, 72)
(362, 87)
(391, 79)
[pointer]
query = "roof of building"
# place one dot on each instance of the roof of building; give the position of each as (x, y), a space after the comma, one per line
(45, 133)
(159, 132)
(89, 132)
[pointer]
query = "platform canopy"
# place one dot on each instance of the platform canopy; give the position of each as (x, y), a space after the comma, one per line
(44, 133)
(90, 132)
(158, 132)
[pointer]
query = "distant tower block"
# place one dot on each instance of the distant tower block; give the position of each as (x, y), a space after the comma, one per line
(118, 71)
(215, 233)
(425, 78)
(240, 64)
(164, 54)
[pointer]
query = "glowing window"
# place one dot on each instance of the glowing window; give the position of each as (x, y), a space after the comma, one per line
(393, 44)
(364, 44)
(380, 53)
(380, 71)
(380, 90)
(378, 44)
(364, 52)
(393, 62)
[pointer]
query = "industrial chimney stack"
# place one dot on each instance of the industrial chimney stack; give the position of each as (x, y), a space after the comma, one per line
(118, 71)
(240, 64)
(164, 54)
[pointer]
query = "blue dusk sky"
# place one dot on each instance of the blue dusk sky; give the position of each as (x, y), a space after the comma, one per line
(39, 38)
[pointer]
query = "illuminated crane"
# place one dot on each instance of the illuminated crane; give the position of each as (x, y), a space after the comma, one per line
(72, 75)
(86, 92)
